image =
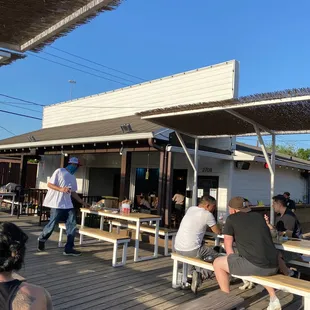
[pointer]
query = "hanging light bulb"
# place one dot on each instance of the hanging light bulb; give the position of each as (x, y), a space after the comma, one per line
(147, 174)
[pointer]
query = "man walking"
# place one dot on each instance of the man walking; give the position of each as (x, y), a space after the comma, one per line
(62, 187)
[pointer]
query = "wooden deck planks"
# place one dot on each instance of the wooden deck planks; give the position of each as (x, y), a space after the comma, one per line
(90, 282)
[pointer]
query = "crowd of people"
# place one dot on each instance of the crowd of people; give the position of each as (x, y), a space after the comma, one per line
(248, 241)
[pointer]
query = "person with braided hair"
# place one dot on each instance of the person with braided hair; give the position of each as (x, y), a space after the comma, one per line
(15, 294)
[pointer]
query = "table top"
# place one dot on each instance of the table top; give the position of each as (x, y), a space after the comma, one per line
(128, 217)
(7, 194)
(294, 245)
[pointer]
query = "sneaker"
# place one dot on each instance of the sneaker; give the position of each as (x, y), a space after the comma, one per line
(41, 246)
(274, 305)
(71, 252)
(294, 274)
(196, 281)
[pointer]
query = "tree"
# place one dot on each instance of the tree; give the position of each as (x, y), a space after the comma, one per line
(291, 150)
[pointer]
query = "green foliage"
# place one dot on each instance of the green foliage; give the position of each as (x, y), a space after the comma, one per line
(291, 150)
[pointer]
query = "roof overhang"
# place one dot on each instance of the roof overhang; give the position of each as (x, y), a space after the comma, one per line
(176, 149)
(32, 24)
(285, 112)
(246, 157)
(75, 141)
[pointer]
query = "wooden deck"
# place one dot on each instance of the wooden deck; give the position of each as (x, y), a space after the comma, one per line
(90, 282)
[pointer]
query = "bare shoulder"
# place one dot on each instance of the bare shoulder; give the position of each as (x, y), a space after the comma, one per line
(32, 297)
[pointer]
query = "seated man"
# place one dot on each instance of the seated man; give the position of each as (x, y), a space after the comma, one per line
(286, 221)
(257, 253)
(189, 240)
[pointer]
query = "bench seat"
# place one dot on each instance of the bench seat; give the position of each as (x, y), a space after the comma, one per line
(105, 236)
(165, 232)
(284, 283)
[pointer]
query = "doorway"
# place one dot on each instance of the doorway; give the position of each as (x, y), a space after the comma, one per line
(208, 185)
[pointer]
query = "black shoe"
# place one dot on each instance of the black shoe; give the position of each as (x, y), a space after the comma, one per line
(41, 246)
(71, 252)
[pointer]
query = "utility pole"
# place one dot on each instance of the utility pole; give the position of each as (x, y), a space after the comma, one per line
(72, 83)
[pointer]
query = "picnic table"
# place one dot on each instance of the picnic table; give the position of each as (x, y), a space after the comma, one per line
(138, 218)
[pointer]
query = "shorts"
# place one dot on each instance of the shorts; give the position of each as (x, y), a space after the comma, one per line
(239, 266)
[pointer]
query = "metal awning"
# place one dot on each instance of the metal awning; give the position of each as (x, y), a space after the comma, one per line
(282, 112)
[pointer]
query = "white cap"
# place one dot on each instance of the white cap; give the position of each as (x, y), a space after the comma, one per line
(74, 160)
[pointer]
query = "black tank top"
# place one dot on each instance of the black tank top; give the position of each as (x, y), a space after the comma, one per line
(7, 293)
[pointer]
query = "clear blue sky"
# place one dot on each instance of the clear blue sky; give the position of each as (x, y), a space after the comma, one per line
(155, 38)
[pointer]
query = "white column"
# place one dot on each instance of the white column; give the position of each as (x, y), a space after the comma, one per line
(195, 185)
(272, 177)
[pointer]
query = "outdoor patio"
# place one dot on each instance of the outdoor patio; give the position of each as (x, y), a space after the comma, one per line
(90, 282)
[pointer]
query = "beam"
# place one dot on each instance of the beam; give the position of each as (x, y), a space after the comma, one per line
(197, 110)
(85, 140)
(12, 47)
(4, 56)
(271, 167)
(185, 150)
(195, 185)
(169, 181)
(82, 13)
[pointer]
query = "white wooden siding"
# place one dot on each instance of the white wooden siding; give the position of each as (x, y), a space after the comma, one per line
(254, 184)
(218, 82)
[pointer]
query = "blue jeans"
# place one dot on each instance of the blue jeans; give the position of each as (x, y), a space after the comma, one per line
(60, 215)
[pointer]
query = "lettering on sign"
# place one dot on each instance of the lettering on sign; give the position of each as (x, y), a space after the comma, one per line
(206, 169)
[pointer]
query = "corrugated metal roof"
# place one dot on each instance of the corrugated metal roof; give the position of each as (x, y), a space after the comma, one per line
(84, 130)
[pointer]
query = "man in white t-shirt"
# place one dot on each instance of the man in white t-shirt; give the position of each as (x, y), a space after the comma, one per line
(62, 187)
(189, 240)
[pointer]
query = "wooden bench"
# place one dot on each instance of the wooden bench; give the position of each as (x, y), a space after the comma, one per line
(105, 236)
(62, 226)
(214, 300)
(165, 232)
(280, 282)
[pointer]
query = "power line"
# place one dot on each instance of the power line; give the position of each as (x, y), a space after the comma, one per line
(100, 71)
(17, 105)
(96, 63)
(60, 64)
(25, 101)
(23, 115)
(10, 132)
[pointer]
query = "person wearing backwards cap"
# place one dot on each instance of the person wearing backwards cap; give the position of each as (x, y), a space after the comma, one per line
(257, 255)
(62, 187)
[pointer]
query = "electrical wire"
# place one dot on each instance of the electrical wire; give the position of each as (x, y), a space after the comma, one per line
(23, 115)
(96, 63)
(10, 132)
(17, 105)
(76, 69)
(25, 101)
(88, 67)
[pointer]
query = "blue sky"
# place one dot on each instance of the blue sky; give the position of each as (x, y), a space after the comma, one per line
(155, 38)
